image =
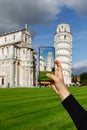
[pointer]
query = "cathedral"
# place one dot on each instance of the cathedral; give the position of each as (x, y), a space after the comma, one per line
(17, 60)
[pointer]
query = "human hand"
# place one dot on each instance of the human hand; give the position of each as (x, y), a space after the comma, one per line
(58, 84)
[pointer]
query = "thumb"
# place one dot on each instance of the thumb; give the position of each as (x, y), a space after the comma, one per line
(54, 88)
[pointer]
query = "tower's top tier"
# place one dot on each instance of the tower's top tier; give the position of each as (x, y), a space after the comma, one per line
(49, 53)
(63, 28)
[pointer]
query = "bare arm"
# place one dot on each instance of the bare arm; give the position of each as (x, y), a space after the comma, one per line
(58, 85)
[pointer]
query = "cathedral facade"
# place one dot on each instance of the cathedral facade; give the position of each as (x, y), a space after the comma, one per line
(17, 60)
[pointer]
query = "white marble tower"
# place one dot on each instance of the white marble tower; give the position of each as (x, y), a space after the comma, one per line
(42, 63)
(49, 62)
(63, 50)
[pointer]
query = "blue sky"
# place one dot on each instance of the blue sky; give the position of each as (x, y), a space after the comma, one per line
(42, 18)
(78, 25)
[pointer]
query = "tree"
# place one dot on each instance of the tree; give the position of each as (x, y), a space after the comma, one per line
(83, 78)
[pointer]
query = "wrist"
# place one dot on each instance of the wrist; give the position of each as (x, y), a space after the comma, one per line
(64, 93)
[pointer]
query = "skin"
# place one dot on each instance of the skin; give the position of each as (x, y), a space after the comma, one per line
(58, 84)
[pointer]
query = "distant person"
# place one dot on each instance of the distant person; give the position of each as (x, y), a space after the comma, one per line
(75, 110)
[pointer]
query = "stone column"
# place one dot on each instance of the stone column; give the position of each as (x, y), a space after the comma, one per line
(16, 74)
(12, 51)
(11, 84)
(31, 79)
(15, 52)
(29, 76)
(21, 75)
(27, 82)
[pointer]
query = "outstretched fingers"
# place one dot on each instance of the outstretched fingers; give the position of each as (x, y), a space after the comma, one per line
(58, 65)
(52, 76)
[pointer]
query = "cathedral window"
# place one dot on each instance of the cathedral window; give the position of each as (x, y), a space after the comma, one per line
(26, 38)
(7, 50)
(23, 51)
(2, 81)
(64, 36)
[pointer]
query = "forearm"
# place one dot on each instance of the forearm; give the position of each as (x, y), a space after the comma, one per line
(63, 92)
(77, 113)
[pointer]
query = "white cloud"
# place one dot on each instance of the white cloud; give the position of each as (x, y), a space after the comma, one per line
(80, 64)
(14, 14)
(80, 67)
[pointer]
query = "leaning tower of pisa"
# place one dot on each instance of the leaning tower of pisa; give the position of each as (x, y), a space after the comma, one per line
(49, 62)
(63, 50)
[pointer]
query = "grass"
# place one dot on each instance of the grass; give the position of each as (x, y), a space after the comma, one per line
(36, 109)
(43, 77)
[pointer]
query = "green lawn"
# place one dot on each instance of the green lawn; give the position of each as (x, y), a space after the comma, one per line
(36, 109)
(43, 77)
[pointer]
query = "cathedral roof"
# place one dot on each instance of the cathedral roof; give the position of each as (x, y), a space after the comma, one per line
(12, 32)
